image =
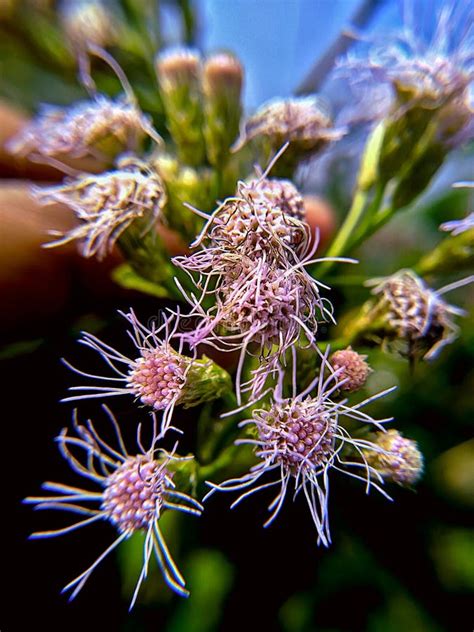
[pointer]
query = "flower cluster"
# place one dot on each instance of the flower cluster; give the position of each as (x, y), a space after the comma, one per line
(299, 440)
(134, 491)
(254, 249)
(251, 282)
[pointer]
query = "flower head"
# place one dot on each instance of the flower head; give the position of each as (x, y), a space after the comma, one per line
(353, 368)
(106, 205)
(254, 249)
(266, 215)
(134, 491)
(160, 377)
(84, 128)
(299, 440)
(303, 122)
(88, 21)
(415, 315)
(431, 75)
(400, 460)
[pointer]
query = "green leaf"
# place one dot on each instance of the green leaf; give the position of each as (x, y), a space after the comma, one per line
(126, 277)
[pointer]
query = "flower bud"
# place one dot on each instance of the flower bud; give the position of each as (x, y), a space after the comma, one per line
(189, 185)
(352, 368)
(88, 22)
(205, 381)
(222, 86)
(399, 459)
(178, 71)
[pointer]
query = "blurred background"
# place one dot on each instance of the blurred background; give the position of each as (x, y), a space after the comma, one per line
(406, 565)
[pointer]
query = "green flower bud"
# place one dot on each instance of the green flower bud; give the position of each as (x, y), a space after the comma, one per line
(222, 86)
(178, 72)
(205, 381)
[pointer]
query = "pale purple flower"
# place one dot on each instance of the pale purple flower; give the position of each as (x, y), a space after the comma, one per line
(134, 491)
(155, 375)
(300, 440)
(400, 461)
(304, 122)
(434, 71)
(106, 205)
(82, 129)
(416, 315)
(458, 226)
(254, 250)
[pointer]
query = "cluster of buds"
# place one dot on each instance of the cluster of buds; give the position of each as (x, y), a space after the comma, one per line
(134, 492)
(304, 123)
(106, 205)
(407, 316)
(202, 103)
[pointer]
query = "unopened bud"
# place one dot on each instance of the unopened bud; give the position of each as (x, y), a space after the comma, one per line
(399, 459)
(222, 86)
(205, 381)
(352, 367)
(88, 22)
(178, 71)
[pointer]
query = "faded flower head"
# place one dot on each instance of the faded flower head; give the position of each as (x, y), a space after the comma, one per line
(352, 368)
(433, 74)
(160, 377)
(134, 491)
(299, 440)
(84, 128)
(302, 121)
(106, 205)
(415, 314)
(400, 460)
